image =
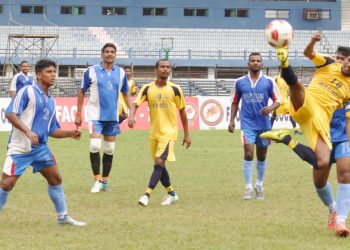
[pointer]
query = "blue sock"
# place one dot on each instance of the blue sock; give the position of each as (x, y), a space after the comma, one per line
(261, 169)
(326, 195)
(3, 197)
(343, 201)
(57, 196)
(248, 173)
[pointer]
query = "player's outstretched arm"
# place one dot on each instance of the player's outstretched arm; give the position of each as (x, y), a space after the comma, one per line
(234, 109)
(132, 121)
(17, 123)
(184, 121)
(127, 99)
(80, 102)
(309, 51)
(58, 133)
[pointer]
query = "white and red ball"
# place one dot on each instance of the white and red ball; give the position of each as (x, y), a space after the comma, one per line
(279, 33)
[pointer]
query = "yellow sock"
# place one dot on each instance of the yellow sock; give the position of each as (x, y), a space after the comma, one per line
(170, 189)
(293, 143)
(149, 191)
(285, 64)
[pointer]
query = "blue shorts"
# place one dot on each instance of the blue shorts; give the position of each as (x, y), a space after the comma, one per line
(340, 150)
(40, 158)
(109, 128)
(250, 136)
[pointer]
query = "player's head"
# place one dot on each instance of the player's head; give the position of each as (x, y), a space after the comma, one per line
(24, 67)
(45, 71)
(109, 53)
(128, 71)
(163, 69)
(255, 62)
(341, 53)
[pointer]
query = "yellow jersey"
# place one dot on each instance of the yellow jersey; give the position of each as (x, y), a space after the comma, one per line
(163, 103)
(283, 88)
(123, 108)
(329, 86)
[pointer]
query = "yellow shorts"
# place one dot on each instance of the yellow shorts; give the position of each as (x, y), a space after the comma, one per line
(123, 109)
(162, 149)
(283, 109)
(313, 120)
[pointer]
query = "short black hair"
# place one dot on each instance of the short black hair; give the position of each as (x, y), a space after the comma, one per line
(109, 45)
(161, 60)
(127, 67)
(44, 63)
(23, 63)
(254, 54)
(342, 50)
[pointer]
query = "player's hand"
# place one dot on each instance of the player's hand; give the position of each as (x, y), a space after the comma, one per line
(76, 134)
(33, 137)
(131, 122)
(78, 120)
(266, 110)
(317, 37)
(187, 141)
(231, 127)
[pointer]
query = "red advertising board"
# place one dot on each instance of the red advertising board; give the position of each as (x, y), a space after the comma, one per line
(66, 109)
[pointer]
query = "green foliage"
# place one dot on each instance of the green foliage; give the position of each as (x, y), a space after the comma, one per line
(209, 215)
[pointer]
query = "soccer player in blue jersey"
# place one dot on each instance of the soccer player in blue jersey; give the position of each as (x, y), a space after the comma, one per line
(21, 79)
(33, 117)
(255, 89)
(105, 81)
(339, 210)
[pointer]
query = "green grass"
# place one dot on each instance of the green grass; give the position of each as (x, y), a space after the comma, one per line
(209, 215)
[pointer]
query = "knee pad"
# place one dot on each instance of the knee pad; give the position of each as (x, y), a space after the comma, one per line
(108, 147)
(95, 145)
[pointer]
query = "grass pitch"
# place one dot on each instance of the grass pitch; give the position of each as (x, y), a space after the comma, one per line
(209, 215)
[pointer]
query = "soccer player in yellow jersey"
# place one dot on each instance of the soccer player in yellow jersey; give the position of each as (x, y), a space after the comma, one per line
(123, 108)
(283, 109)
(313, 108)
(164, 99)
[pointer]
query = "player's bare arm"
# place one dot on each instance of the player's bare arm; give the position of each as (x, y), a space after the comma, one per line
(269, 109)
(132, 121)
(58, 133)
(127, 99)
(184, 121)
(80, 102)
(309, 49)
(17, 123)
(234, 109)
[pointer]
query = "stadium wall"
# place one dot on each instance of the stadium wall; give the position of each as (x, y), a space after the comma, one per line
(173, 17)
(203, 112)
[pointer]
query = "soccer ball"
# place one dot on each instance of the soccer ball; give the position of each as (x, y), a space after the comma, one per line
(279, 33)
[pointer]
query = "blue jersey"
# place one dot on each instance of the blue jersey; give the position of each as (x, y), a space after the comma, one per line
(338, 124)
(20, 80)
(255, 96)
(104, 91)
(37, 112)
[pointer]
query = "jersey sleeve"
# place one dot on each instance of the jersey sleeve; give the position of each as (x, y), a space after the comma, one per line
(142, 95)
(54, 125)
(13, 85)
(321, 60)
(236, 93)
(19, 103)
(125, 86)
(179, 98)
(274, 92)
(86, 82)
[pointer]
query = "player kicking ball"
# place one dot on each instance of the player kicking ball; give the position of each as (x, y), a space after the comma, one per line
(313, 109)
(33, 117)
